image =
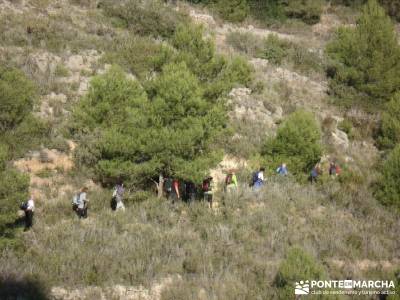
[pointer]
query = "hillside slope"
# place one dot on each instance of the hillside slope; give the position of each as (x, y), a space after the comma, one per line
(159, 250)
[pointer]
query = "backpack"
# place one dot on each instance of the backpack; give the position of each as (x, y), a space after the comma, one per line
(23, 206)
(206, 186)
(228, 179)
(168, 185)
(338, 170)
(75, 201)
(254, 178)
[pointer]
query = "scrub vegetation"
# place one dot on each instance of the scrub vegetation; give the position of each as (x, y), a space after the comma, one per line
(93, 93)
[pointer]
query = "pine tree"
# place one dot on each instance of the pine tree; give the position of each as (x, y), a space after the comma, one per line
(139, 137)
(367, 57)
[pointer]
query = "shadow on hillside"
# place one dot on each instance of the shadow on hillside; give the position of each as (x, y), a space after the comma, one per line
(18, 223)
(26, 289)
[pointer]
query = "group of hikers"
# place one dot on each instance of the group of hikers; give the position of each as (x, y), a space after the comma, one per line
(176, 190)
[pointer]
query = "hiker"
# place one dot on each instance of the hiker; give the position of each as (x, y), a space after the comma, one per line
(28, 207)
(258, 179)
(118, 195)
(334, 169)
(175, 193)
(315, 172)
(190, 191)
(168, 187)
(231, 183)
(208, 189)
(82, 203)
(282, 170)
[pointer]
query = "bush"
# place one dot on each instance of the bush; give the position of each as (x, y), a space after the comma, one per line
(13, 190)
(16, 98)
(298, 143)
(275, 49)
(233, 10)
(217, 74)
(392, 7)
(347, 126)
(297, 266)
(367, 58)
(309, 11)
(146, 18)
(245, 42)
(388, 191)
(390, 125)
(140, 55)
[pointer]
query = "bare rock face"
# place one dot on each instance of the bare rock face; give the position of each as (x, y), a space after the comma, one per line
(228, 163)
(248, 107)
(202, 18)
(51, 103)
(340, 139)
(44, 61)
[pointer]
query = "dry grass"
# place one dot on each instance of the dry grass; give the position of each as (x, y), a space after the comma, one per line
(234, 250)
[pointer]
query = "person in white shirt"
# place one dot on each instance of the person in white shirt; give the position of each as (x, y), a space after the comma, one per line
(258, 180)
(30, 208)
(118, 194)
(82, 203)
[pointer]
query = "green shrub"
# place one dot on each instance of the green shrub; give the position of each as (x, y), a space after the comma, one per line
(297, 142)
(390, 125)
(347, 126)
(304, 60)
(245, 42)
(13, 190)
(30, 134)
(297, 266)
(309, 11)
(388, 190)
(61, 71)
(275, 49)
(267, 11)
(139, 55)
(392, 8)
(233, 10)
(367, 58)
(59, 143)
(216, 73)
(146, 18)
(16, 98)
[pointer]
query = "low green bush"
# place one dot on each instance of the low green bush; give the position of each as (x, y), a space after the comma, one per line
(389, 133)
(388, 188)
(309, 11)
(145, 18)
(347, 126)
(297, 266)
(140, 56)
(275, 49)
(233, 10)
(16, 99)
(13, 190)
(297, 142)
(245, 42)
